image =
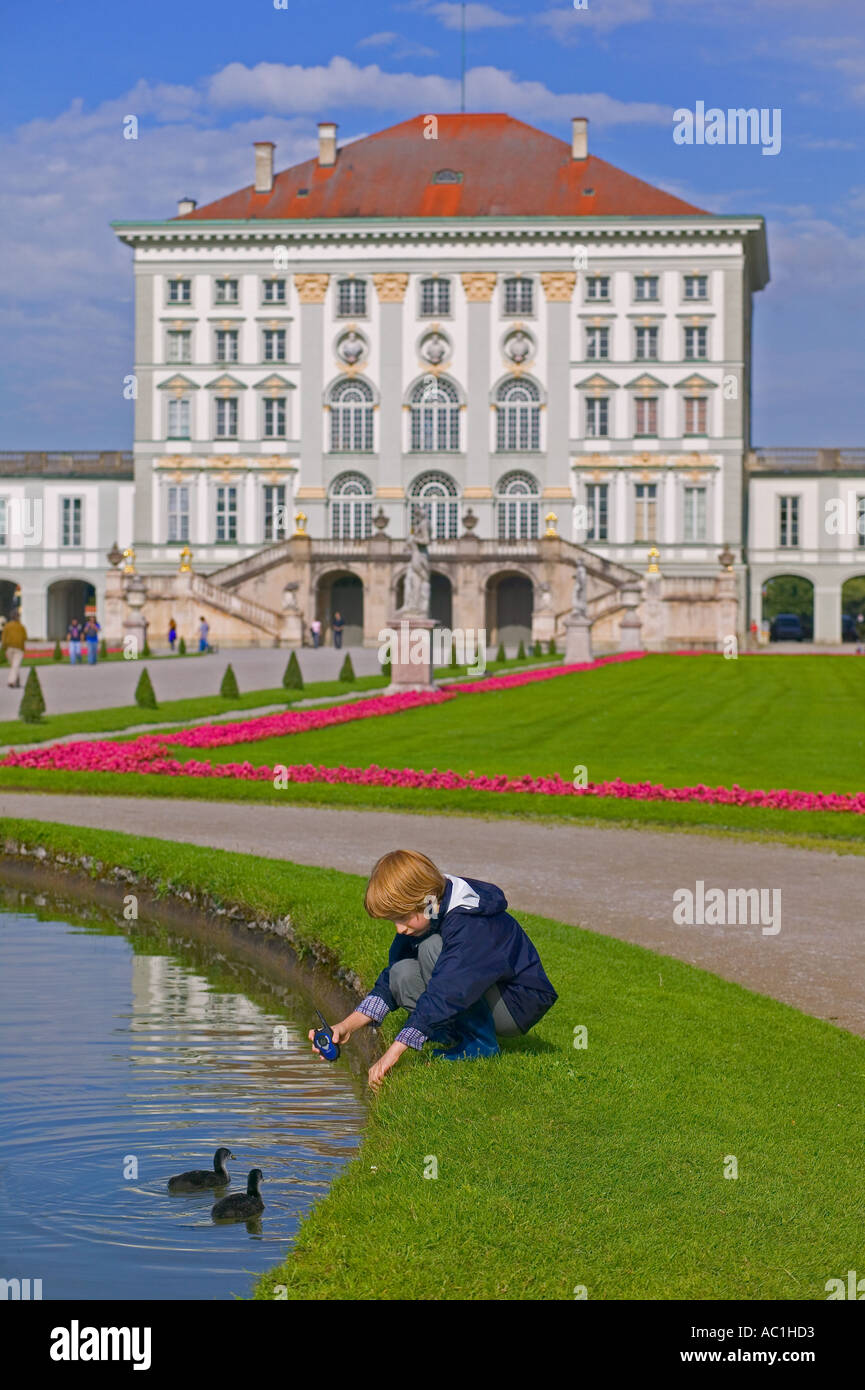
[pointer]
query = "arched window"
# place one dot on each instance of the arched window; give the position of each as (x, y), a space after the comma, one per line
(518, 507)
(435, 415)
(518, 416)
(350, 507)
(436, 494)
(351, 415)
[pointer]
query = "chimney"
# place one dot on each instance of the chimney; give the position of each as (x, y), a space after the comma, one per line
(264, 165)
(580, 137)
(326, 144)
(185, 205)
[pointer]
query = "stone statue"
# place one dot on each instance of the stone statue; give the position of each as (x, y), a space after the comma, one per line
(417, 579)
(579, 605)
(546, 596)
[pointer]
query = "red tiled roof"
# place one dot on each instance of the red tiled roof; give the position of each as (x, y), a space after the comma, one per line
(509, 169)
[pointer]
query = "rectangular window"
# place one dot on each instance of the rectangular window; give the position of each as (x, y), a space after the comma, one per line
(226, 292)
(646, 512)
(695, 514)
(274, 344)
(179, 291)
(226, 513)
(598, 287)
(273, 291)
(179, 347)
(4, 521)
(788, 522)
(226, 344)
(178, 417)
(519, 295)
(597, 495)
(71, 532)
(696, 414)
(598, 417)
(860, 521)
(696, 286)
(597, 344)
(696, 344)
(435, 298)
(646, 344)
(646, 416)
(274, 417)
(178, 514)
(275, 512)
(226, 417)
(351, 299)
(645, 287)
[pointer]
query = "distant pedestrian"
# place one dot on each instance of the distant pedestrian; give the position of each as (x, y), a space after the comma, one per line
(203, 635)
(337, 625)
(315, 629)
(73, 634)
(172, 634)
(91, 637)
(14, 641)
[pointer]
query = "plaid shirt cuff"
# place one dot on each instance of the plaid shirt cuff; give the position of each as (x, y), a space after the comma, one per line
(374, 1008)
(412, 1037)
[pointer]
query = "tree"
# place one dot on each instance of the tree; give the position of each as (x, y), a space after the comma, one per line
(32, 702)
(387, 670)
(57, 654)
(521, 652)
(500, 654)
(347, 672)
(145, 695)
(292, 679)
(229, 689)
(552, 647)
(103, 649)
(181, 646)
(538, 651)
(145, 650)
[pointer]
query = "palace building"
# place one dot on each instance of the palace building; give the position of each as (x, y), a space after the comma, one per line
(462, 314)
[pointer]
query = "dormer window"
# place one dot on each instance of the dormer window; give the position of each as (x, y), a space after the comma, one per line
(447, 176)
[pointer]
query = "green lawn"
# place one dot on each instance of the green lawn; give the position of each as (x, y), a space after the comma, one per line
(557, 1167)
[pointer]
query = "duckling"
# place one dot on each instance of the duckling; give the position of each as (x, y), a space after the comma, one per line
(198, 1178)
(241, 1206)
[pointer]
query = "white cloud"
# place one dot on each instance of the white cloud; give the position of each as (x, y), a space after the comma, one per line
(400, 47)
(569, 25)
(476, 16)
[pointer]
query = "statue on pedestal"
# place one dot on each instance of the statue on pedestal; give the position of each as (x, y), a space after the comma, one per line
(579, 603)
(416, 598)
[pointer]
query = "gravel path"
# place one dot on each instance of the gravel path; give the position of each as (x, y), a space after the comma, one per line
(617, 882)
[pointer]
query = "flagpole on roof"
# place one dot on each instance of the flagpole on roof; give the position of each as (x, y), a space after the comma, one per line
(463, 63)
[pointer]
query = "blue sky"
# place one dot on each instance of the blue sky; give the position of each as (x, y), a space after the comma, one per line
(206, 79)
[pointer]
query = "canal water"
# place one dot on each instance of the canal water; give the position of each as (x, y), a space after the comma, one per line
(127, 1055)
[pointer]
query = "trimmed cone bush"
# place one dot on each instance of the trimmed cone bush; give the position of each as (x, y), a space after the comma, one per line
(181, 646)
(500, 654)
(33, 702)
(229, 689)
(292, 679)
(538, 650)
(386, 670)
(57, 654)
(454, 664)
(145, 695)
(3, 660)
(145, 650)
(521, 652)
(347, 672)
(552, 647)
(103, 649)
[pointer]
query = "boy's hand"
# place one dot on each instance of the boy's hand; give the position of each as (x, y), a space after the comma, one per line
(379, 1069)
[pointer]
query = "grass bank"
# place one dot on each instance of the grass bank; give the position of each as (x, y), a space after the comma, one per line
(602, 1166)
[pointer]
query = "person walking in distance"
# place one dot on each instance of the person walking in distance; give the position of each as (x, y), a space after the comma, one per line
(14, 641)
(73, 634)
(203, 634)
(91, 637)
(315, 630)
(337, 625)
(172, 635)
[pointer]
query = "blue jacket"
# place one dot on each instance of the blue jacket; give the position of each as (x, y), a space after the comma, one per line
(482, 945)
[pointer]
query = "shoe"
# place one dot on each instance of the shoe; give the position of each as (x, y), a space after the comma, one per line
(475, 1035)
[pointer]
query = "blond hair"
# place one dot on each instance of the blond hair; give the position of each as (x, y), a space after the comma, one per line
(403, 881)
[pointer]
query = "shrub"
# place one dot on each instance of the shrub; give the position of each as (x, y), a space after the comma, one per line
(500, 654)
(292, 679)
(538, 650)
(454, 664)
(103, 649)
(145, 696)
(552, 647)
(3, 660)
(33, 702)
(229, 689)
(347, 672)
(57, 654)
(181, 646)
(387, 670)
(145, 650)
(521, 652)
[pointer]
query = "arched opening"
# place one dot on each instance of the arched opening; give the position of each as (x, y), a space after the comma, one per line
(9, 597)
(340, 592)
(67, 599)
(788, 608)
(437, 495)
(853, 609)
(440, 598)
(510, 603)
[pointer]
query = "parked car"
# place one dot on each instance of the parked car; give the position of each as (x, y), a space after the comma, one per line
(786, 627)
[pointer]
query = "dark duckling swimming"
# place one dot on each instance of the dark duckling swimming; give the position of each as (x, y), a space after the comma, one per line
(241, 1206)
(199, 1179)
